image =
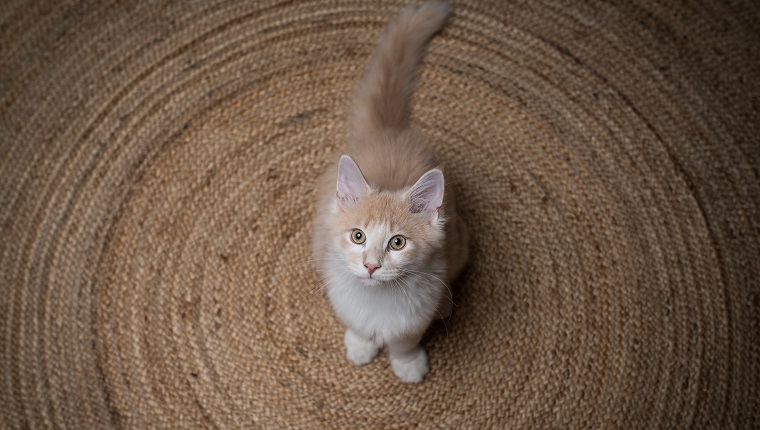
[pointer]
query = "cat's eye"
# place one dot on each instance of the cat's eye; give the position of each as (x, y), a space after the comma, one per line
(357, 236)
(397, 242)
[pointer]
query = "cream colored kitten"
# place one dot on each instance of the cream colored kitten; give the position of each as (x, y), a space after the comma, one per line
(387, 238)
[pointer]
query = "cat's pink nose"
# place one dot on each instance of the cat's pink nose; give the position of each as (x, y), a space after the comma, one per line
(371, 268)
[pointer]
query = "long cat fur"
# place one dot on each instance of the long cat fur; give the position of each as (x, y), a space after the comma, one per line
(389, 180)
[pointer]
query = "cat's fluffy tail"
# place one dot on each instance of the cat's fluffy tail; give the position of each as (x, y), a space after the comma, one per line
(384, 96)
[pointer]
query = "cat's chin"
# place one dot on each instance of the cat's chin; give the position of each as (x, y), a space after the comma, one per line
(374, 281)
(371, 282)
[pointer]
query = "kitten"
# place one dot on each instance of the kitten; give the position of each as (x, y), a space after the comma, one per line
(387, 239)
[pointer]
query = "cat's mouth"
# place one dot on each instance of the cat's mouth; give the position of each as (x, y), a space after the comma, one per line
(371, 279)
(377, 279)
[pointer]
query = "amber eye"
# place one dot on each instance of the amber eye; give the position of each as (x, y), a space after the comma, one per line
(357, 236)
(397, 242)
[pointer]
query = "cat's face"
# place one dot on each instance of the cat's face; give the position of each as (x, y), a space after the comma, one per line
(384, 236)
(380, 239)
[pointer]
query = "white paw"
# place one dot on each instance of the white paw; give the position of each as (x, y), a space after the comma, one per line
(411, 367)
(358, 350)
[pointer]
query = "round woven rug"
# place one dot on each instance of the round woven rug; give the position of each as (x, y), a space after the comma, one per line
(157, 171)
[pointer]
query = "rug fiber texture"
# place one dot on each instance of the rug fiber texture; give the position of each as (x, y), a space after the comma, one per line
(157, 170)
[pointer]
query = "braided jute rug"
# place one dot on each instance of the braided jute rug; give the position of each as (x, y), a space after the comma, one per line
(158, 162)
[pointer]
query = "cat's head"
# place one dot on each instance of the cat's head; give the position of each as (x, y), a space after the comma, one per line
(385, 235)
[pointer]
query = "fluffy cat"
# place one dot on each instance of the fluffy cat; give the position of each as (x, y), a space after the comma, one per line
(387, 238)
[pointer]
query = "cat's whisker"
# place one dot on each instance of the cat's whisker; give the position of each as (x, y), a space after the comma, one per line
(397, 287)
(450, 297)
(310, 295)
(338, 262)
(430, 275)
(312, 260)
(326, 269)
(445, 326)
(412, 290)
(323, 282)
(320, 286)
(401, 285)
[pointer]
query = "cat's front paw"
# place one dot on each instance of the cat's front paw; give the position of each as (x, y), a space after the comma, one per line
(360, 351)
(411, 367)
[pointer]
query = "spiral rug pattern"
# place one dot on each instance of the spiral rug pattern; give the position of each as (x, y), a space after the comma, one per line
(158, 168)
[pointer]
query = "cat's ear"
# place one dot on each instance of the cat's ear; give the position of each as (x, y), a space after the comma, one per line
(426, 195)
(352, 186)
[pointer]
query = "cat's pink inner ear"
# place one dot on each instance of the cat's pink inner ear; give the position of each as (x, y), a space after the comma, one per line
(426, 195)
(352, 186)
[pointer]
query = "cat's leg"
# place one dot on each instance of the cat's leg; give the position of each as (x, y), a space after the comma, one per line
(359, 350)
(408, 360)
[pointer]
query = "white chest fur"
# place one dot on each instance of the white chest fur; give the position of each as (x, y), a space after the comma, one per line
(384, 311)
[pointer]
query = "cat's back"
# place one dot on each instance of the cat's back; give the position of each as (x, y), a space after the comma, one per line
(392, 160)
